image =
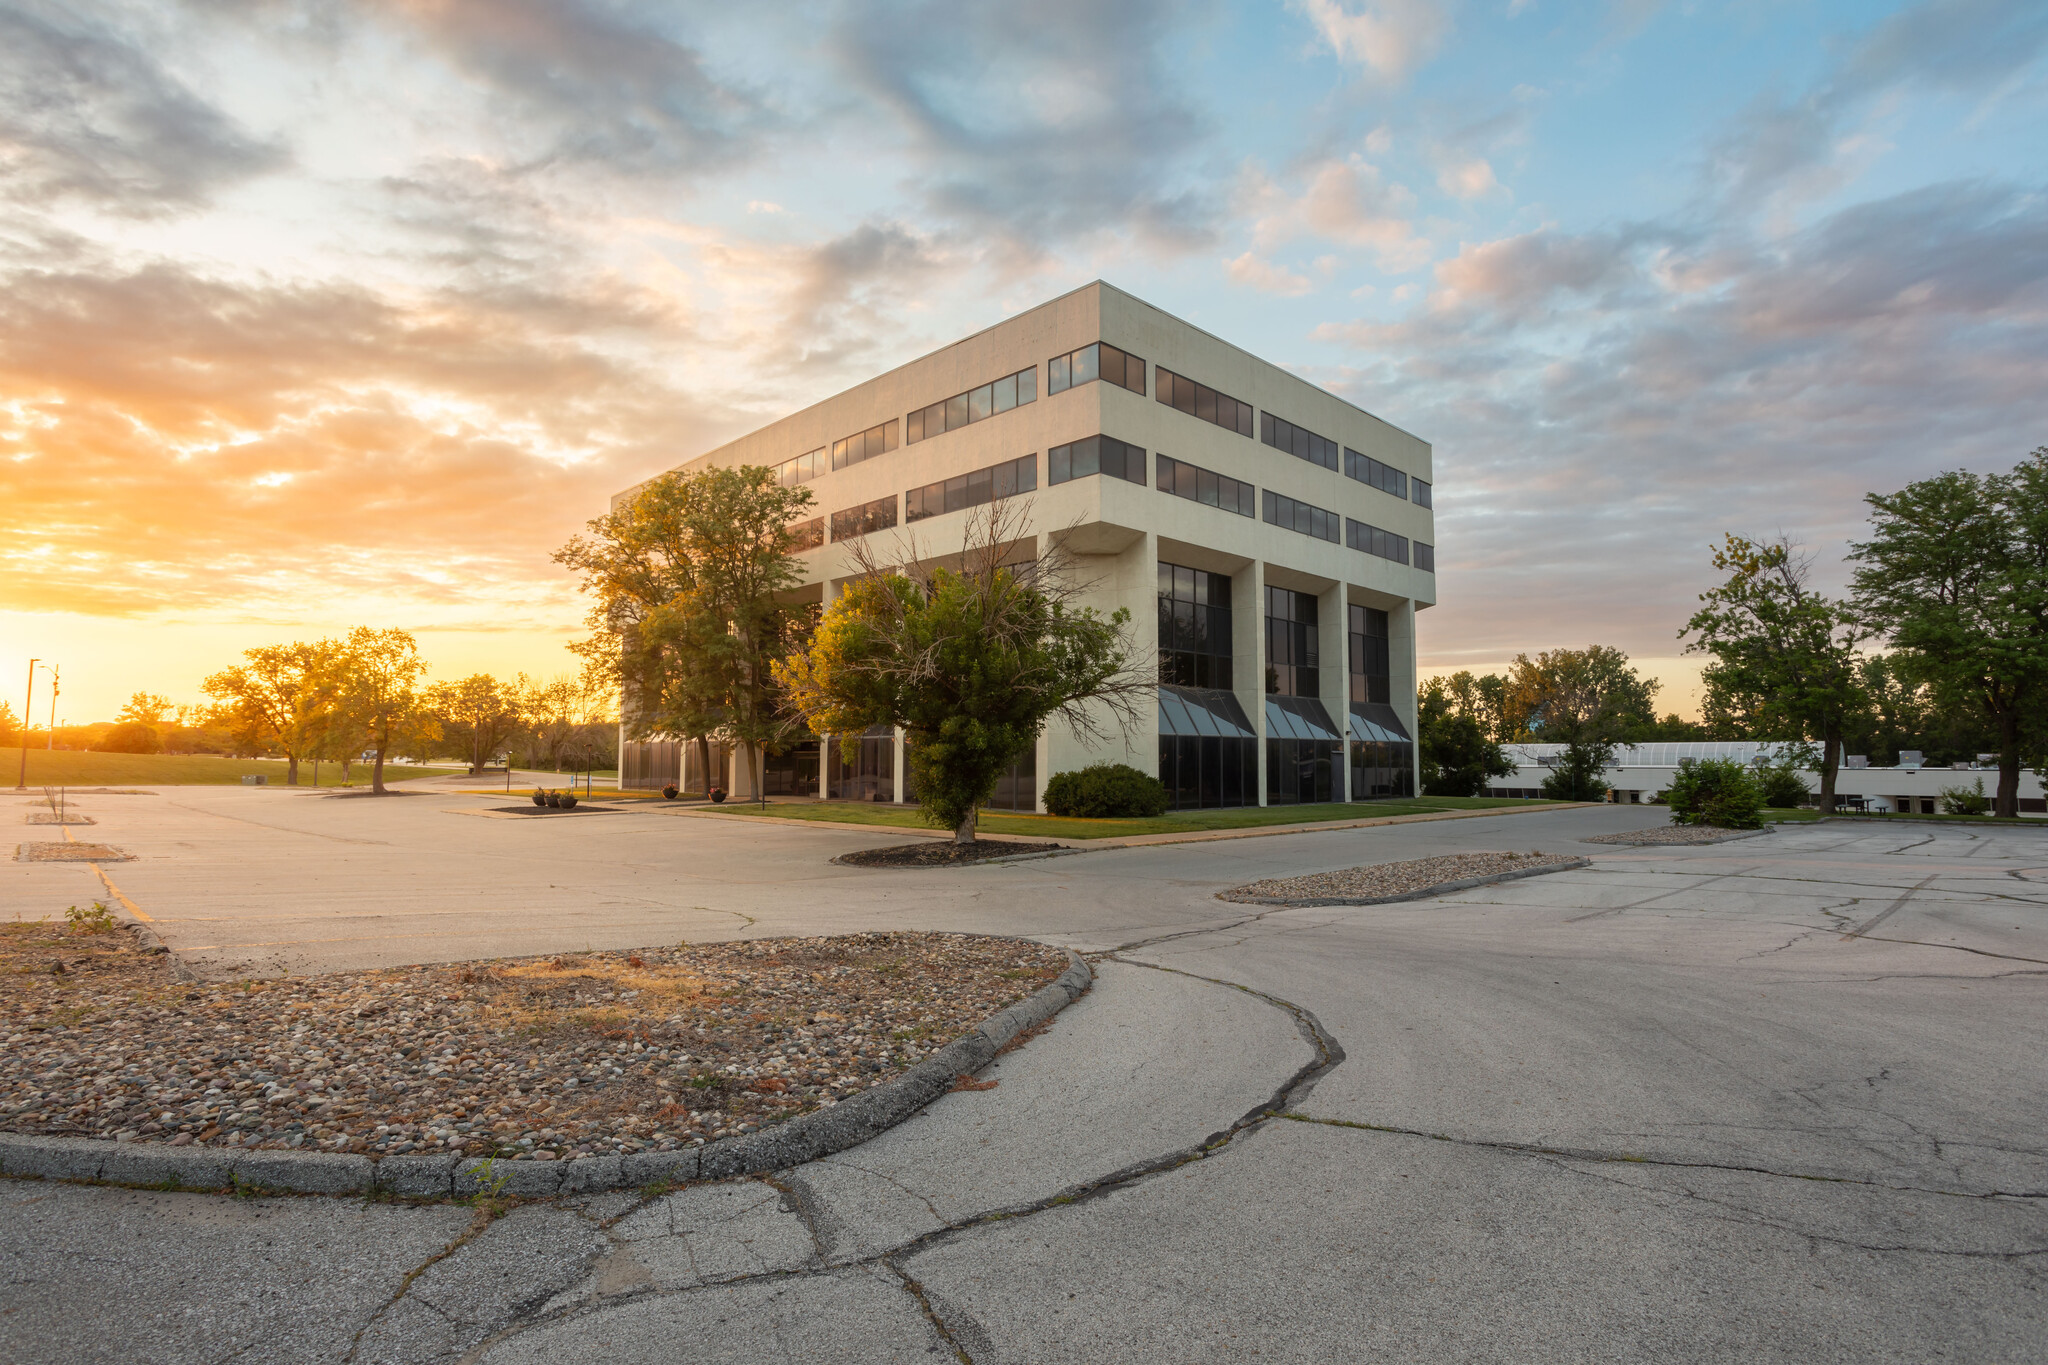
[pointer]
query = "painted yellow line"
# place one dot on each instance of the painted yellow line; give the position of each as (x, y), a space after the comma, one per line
(130, 906)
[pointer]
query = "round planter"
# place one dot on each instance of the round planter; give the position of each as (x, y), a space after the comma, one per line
(540, 798)
(717, 796)
(568, 801)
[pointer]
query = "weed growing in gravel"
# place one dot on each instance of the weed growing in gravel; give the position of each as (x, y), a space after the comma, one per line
(98, 920)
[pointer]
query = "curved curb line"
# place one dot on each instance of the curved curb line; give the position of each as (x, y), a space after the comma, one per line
(1424, 894)
(1727, 837)
(1004, 861)
(806, 1137)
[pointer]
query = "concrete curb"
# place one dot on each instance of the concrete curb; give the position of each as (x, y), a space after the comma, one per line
(1727, 837)
(804, 1138)
(978, 862)
(1463, 883)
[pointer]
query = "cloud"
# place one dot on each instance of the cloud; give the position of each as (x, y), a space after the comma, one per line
(1345, 202)
(1065, 124)
(1391, 37)
(88, 115)
(1266, 277)
(1467, 177)
(1603, 404)
(606, 84)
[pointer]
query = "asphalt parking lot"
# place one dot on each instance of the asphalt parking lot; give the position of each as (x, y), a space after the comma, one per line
(1776, 1099)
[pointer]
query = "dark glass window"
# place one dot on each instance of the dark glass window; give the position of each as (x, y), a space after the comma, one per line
(863, 766)
(1208, 751)
(803, 468)
(1299, 771)
(1199, 400)
(1425, 557)
(1371, 657)
(1099, 361)
(1374, 541)
(1300, 516)
(809, 535)
(1299, 442)
(793, 772)
(1366, 469)
(1291, 646)
(878, 515)
(864, 445)
(1011, 391)
(1184, 480)
(1194, 627)
(1095, 455)
(1004, 480)
(1419, 491)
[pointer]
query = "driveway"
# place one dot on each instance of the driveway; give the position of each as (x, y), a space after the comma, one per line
(1775, 1099)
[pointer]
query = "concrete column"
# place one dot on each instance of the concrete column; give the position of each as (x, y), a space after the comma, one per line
(1248, 653)
(902, 766)
(1333, 678)
(1403, 680)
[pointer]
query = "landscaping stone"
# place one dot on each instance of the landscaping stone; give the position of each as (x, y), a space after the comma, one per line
(1401, 880)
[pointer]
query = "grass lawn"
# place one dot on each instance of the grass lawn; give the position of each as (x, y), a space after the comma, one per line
(1803, 816)
(71, 768)
(1176, 822)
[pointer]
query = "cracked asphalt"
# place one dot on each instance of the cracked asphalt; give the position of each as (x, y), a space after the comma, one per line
(1778, 1099)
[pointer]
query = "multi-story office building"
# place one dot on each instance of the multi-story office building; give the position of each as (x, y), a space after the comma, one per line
(1282, 539)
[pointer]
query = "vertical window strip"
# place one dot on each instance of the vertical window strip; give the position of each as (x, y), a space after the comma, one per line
(962, 491)
(1371, 655)
(1299, 442)
(1098, 361)
(1306, 518)
(864, 445)
(1011, 391)
(1199, 400)
(1421, 493)
(1095, 455)
(1375, 541)
(1194, 627)
(1367, 470)
(1425, 557)
(1184, 480)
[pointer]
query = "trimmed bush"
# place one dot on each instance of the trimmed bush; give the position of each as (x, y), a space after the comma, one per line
(1106, 791)
(1966, 800)
(1783, 787)
(1716, 791)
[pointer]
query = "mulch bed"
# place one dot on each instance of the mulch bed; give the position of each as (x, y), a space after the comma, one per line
(1393, 879)
(1670, 834)
(52, 851)
(940, 853)
(535, 1058)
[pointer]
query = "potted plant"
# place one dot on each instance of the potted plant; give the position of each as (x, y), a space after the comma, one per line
(717, 796)
(568, 800)
(669, 792)
(554, 798)
(540, 796)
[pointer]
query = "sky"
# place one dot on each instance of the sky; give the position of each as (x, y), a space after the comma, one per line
(322, 314)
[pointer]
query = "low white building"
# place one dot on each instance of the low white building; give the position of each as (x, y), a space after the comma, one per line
(1640, 771)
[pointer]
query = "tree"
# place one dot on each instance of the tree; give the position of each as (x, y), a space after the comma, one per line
(281, 696)
(10, 725)
(131, 737)
(1956, 575)
(1785, 656)
(688, 578)
(378, 688)
(1586, 699)
(569, 720)
(1457, 753)
(970, 662)
(147, 708)
(477, 715)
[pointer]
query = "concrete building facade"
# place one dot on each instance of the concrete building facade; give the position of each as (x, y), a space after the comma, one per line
(1282, 539)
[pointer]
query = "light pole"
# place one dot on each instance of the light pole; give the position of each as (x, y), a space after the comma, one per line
(50, 741)
(21, 783)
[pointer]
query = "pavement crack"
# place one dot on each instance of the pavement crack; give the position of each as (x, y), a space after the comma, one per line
(931, 1315)
(469, 1234)
(1630, 1159)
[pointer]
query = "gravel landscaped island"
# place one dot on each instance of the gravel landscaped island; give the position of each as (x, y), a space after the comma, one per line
(1672, 834)
(538, 1058)
(1395, 879)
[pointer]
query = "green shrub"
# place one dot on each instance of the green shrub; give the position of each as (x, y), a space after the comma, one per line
(1105, 791)
(1783, 786)
(1716, 791)
(1579, 773)
(1965, 800)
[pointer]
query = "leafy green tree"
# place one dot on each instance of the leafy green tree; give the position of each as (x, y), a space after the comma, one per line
(477, 715)
(282, 696)
(147, 708)
(131, 737)
(1955, 573)
(1783, 786)
(688, 578)
(1785, 656)
(1457, 753)
(377, 686)
(10, 725)
(970, 662)
(1585, 699)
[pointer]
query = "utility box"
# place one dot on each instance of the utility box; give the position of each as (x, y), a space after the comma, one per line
(255, 779)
